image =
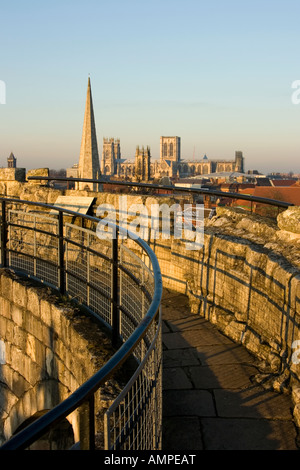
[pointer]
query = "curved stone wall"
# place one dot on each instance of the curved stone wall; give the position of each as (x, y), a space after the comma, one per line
(246, 280)
(48, 348)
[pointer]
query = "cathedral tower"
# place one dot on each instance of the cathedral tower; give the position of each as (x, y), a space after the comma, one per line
(170, 149)
(89, 166)
(142, 164)
(239, 162)
(111, 154)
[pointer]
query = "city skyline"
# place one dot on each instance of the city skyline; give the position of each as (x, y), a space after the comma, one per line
(219, 75)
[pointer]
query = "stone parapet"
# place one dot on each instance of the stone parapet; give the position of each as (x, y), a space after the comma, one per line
(12, 174)
(38, 172)
(48, 349)
(289, 220)
(245, 280)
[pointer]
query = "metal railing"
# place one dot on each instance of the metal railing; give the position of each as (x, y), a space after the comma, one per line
(173, 189)
(118, 281)
(121, 286)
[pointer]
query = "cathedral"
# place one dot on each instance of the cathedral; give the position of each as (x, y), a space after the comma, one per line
(170, 164)
(142, 167)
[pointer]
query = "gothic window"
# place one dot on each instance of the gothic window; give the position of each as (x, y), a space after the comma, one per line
(205, 169)
(165, 150)
(171, 150)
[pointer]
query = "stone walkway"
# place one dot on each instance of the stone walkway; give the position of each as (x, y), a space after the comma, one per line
(209, 399)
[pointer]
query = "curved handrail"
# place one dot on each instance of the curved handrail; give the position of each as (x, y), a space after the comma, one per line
(209, 192)
(83, 393)
(86, 391)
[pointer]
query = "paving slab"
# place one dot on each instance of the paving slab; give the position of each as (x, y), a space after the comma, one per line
(253, 402)
(180, 357)
(211, 400)
(176, 378)
(178, 429)
(247, 434)
(188, 403)
(211, 354)
(224, 376)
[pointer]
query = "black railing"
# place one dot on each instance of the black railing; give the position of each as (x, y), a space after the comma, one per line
(84, 396)
(144, 318)
(174, 189)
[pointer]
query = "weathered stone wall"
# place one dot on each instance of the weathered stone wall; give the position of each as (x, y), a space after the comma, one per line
(246, 280)
(12, 174)
(48, 349)
(37, 172)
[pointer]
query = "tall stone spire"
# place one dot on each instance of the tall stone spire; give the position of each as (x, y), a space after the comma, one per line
(89, 166)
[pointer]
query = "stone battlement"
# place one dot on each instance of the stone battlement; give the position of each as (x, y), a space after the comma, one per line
(13, 174)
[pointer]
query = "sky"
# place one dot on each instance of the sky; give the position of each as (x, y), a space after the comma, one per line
(217, 73)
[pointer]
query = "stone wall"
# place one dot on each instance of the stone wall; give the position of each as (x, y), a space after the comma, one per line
(48, 348)
(12, 174)
(37, 172)
(246, 281)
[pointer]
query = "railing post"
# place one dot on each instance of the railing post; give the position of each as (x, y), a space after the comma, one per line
(87, 425)
(115, 291)
(3, 236)
(61, 262)
(92, 422)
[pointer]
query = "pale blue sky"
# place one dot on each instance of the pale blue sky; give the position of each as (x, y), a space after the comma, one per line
(216, 73)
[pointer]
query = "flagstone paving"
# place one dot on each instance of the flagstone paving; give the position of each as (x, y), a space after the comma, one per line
(210, 400)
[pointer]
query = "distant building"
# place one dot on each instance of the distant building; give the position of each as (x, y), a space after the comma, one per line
(169, 165)
(290, 194)
(11, 161)
(140, 168)
(111, 156)
(142, 164)
(72, 172)
(170, 149)
(88, 166)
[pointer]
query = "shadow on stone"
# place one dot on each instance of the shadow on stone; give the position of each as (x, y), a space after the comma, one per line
(211, 400)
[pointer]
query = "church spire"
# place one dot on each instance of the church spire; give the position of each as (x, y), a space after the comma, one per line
(89, 166)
